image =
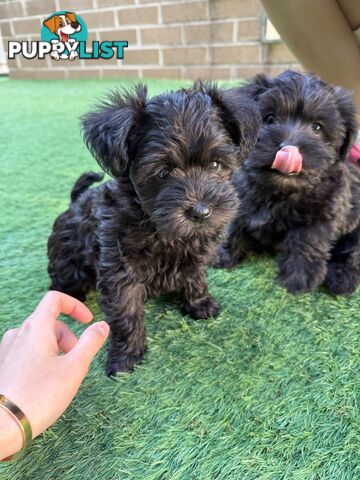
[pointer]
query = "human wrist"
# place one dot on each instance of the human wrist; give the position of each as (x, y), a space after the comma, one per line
(11, 440)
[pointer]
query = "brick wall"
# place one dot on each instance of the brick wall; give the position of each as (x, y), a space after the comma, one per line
(220, 39)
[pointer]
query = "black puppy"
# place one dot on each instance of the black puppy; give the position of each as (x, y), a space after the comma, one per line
(153, 228)
(297, 194)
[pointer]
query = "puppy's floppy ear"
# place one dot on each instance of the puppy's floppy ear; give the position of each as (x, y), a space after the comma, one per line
(241, 118)
(108, 129)
(346, 105)
(238, 112)
(71, 16)
(258, 85)
(51, 23)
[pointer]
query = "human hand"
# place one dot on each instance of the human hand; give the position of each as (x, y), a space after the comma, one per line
(34, 375)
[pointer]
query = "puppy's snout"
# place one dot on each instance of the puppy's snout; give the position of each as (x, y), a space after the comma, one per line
(75, 25)
(199, 211)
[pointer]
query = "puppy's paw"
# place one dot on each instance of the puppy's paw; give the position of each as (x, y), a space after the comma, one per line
(224, 259)
(121, 363)
(203, 308)
(341, 279)
(73, 55)
(299, 279)
(55, 56)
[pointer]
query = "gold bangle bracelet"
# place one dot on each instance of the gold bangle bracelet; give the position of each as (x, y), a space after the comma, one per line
(23, 423)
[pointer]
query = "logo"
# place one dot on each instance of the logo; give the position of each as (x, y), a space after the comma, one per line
(64, 28)
(63, 37)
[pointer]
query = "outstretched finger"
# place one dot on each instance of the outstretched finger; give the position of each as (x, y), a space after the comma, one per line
(54, 303)
(89, 343)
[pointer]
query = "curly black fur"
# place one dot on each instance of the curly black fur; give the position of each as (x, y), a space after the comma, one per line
(311, 219)
(153, 228)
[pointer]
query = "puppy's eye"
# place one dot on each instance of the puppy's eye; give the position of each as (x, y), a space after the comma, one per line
(316, 128)
(165, 173)
(270, 119)
(215, 166)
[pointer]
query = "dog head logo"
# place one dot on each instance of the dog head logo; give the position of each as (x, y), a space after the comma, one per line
(64, 28)
(63, 25)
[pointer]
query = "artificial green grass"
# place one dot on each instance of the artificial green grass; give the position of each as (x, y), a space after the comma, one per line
(268, 391)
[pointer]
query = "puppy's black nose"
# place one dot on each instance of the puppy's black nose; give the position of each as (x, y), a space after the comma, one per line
(199, 211)
(75, 24)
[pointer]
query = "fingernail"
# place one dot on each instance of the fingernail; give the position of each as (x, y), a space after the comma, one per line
(102, 328)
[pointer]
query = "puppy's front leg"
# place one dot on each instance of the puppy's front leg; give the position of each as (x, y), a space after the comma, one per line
(303, 258)
(196, 300)
(123, 306)
(343, 274)
(236, 247)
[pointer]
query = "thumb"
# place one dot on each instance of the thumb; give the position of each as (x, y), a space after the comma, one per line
(89, 343)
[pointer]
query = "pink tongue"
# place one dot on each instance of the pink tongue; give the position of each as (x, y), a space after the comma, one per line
(288, 160)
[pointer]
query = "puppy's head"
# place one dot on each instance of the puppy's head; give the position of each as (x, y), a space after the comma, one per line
(63, 25)
(179, 150)
(308, 127)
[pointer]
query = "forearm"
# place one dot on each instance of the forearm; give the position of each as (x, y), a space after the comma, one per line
(303, 258)
(10, 435)
(300, 243)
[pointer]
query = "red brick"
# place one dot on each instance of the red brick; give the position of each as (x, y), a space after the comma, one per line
(161, 35)
(120, 73)
(234, 8)
(13, 63)
(23, 27)
(5, 41)
(65, 63)
(209, 33)
(141, 57)
(84, 73)
(92, 37)
(211, 73)
(119, 34)
(249, 29)
(33, 63)
(184, 56)
(5, 29)
(11, 9)
(115, 3)
(247, 71)
(138, 16)
(99, 61)
(38, 74)
(100, 19)
(76, 6)
(173, 73)
(236, 54)
(40, 7)
(152, 1)
(185, 12)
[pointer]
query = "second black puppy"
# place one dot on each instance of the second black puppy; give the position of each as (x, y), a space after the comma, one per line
(153, 228)
(297, 194)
